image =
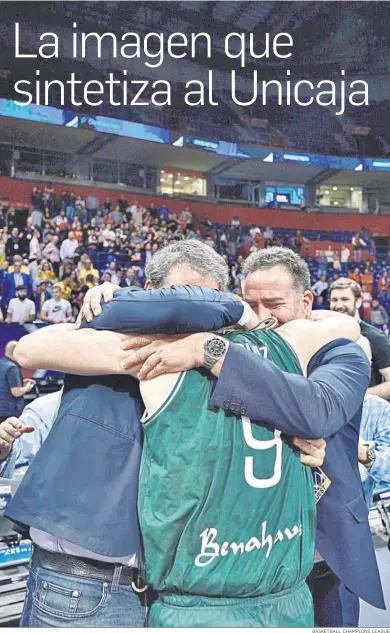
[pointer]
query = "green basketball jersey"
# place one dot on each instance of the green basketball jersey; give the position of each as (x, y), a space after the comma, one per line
(225, 506)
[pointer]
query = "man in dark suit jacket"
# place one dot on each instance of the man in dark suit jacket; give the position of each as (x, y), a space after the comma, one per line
(277, 284)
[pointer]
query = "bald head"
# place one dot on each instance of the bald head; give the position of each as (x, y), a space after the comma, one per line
(9, 348)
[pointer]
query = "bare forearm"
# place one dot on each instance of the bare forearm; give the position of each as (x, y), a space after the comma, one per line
(382, 390)
(63, 348)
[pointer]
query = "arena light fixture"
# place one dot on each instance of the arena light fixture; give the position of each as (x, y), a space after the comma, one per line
(335, 203)
(170, 176)
(162, 179)
(327, 192)
(334, 188)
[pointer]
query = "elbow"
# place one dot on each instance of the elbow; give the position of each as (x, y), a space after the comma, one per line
(21, 355)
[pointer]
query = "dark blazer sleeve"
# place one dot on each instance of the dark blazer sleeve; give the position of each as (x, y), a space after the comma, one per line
(313, 407)
(178, 309)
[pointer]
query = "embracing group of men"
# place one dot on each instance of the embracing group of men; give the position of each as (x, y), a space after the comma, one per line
(203, 444)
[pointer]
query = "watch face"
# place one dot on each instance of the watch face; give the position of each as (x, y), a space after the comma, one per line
(371, 454)
(215, 347)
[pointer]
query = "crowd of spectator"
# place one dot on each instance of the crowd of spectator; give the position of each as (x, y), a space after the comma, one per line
(67, 244)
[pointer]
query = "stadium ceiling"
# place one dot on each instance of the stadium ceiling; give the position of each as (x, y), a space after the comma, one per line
(314, 45)
(40, 137)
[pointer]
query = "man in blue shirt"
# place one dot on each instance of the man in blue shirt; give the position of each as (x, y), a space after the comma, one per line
(25, 435)
(374, 446)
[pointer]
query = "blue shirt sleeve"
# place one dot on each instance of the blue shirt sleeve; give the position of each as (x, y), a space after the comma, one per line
(28, 445)
(311, 408)
(173, 310)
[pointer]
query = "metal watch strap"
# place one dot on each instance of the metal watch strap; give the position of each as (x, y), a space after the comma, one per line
(371, 456)
(212, 356)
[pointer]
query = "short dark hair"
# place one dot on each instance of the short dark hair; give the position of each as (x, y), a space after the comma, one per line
(343, 284)
(278, 256)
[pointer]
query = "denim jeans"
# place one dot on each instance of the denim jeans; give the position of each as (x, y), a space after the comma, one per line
(54, 599)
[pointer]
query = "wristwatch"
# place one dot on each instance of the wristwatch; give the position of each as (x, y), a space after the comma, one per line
(214, 349)
(371, 455)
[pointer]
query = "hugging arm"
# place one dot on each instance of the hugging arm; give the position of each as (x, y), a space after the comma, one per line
(313, 407)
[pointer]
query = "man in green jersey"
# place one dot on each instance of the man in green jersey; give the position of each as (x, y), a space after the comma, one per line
(226, 507)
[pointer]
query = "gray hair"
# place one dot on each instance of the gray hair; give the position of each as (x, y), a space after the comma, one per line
(198, 256)
(278, 256)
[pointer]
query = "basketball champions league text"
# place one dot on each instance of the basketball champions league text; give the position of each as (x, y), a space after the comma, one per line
(154, 49)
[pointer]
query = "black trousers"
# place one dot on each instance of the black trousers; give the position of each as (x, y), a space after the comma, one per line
(334, 604)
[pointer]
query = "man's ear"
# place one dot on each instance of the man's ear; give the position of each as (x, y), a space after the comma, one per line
(359, 303)
(307, 303)
(148, 285)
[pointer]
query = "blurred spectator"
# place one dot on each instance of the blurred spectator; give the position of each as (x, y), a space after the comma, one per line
(268, 236)
(130, 279)
(299, 244)
(98, 220)
(384, 286)
(20, 309)
(163, 213)
(337, 263)
(65, 285)
(15, 279)
(345, 297)
(123, 204)
(117, 216)
(14, 244)
(356, 276)
(254, 231)
(108, 235)
(345, 254)
(68, 247)
(12, 386)
(37, 218)
(46, 273)
(320, 287)
(106, 206)
(88, 269)
(386, 331)
(367, 277)
(357, 244)
(236, 222)
(319, 303)
(61, 221)
(35, 246)
(330, 256)
(10, 219)
(17, 259)
(52, 253)
(41, 295)
(366, 303)
(92, 205)
(56, 309)
(187, 215)
(379, 315)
